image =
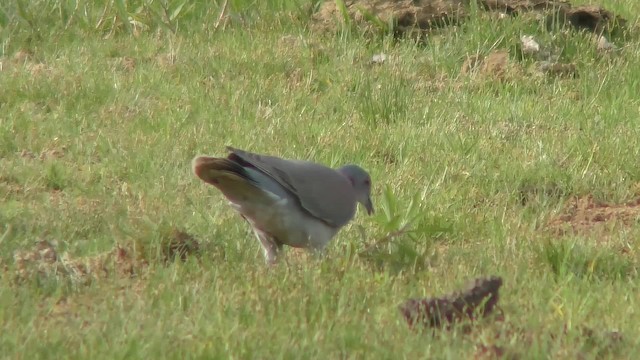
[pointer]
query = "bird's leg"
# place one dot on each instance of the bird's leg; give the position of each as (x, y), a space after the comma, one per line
(270, 247)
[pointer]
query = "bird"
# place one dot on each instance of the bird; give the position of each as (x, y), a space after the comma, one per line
(297, 203)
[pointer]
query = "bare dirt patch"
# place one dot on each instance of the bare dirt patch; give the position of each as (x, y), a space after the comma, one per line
(409, 16)
(125, 63)
(179, 245)
(585, 215)
(43, 260)
(10, 185)
(495, 65)
(519, 6)
(24, 60)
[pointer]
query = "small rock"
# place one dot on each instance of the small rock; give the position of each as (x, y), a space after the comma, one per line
(529, 45)
(379, 58)
(604, 45)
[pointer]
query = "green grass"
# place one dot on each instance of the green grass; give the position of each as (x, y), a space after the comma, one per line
(95, 151)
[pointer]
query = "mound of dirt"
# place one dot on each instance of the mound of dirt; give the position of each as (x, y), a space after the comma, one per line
(585, 215)
(513, 7)
(591, 18)
(406, 14)
(496, 65)
(409, 16)
(478, 300)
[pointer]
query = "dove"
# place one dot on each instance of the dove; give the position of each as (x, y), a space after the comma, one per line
(296, 203)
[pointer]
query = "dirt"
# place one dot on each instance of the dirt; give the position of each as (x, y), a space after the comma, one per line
(495, 65)
(43, 260)
(180, 245)
(24, 60)
(127, 63)
(512, 7)
(9, 186)
(585, 215)
(592, 18)
(410, 16)
(494, 338)
(556, 69)
(479, 299)
(510, 340)
(407, 14)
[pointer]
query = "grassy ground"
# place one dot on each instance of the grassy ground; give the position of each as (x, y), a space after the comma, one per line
(99, 122)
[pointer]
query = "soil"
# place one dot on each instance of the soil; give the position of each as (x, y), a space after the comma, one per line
(585, 215)
(591, 18)
(512, 7)
(410, 16)
(479, 299)
(44, 260)
(495, 65)
(180, 245)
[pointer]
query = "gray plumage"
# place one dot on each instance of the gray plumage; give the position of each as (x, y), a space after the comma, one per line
(287, 202)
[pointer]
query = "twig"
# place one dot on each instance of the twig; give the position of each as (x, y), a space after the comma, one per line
(167, 18)
(107, 7)
(222, 14)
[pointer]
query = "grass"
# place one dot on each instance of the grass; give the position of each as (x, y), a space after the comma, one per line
(101, 117)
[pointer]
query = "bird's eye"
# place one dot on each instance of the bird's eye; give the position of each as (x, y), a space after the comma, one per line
(367, 182)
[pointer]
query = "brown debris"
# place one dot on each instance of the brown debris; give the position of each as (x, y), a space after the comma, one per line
(128, 63)
(43, 260)
(26, 154)
(556, 68)
(40, 259)
(180, 246)
(481, 295)
(496, 65)
(56, 153)
(166, 60)
(490, 352)
(22, 56)
(583, 215)
(53, 153)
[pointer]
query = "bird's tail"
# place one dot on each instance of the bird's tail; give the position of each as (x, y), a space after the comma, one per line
(230, 177)
(210, 169)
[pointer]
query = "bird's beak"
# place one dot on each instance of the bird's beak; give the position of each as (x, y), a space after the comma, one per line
(369, 206)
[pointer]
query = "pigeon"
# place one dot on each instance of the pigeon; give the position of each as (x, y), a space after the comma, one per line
(287, 202)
